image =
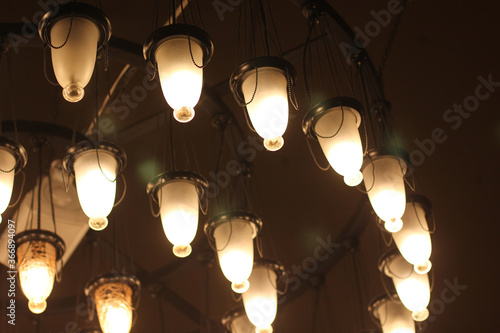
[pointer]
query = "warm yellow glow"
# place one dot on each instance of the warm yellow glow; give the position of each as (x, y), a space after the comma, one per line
(387, 192)
(95, 186)
(179, 214)
(234, 242)
(181, 80)
(394, 317)
(414, 241)
(268, 110)
(114, 307)
(74, 62)
(37, 266)
(341, 142)
(413, 289)
(261, 300)
(7, 163)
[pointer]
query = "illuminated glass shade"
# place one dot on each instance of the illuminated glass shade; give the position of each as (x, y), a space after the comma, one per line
(261, 299)
(392, 315)
(178, 194)
(180, 52)
(414, 240)
(75, 32)
(179, 215)
(37, 253)
(413, 289)
(236, 321)
(268, 111)
(234, 234)
(113, 303)
(7, 164)
(113, 296)
(262, 86)
(181, 80)
(334, 123)
(383, 179)
(95, 170)
(95, 186)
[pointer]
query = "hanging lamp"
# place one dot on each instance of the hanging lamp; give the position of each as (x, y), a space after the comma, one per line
(179, 195)
(383, 176)
(37, 254)
(180, 52)
(95, 169)
(261, 298)
(413, 289)
(232, 234)
(13, 158)
(414, 240)
(262, 85)
(334, 123)
(236, 321)
(114, 297)
(392, 316)
(74, 32)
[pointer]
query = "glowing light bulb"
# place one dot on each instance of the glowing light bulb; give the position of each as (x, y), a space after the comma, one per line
(274, 144)
(393, 225)
(114, 308)
(184, 114)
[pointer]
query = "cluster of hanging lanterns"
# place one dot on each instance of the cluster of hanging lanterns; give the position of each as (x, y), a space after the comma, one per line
(179, 52)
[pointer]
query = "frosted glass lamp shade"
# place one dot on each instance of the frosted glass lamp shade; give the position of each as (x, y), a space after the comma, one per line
(95, 171)
(13, 158)
(334, 123)
(181, 80)
(236, 321)
(178, 195)
(180, 52)
(37, 253)
(75, 32)
(233, 234)
(262, 85)
(261, 299)
(113, 297)
(7, 167)
(413, 289)
(383, 178)
(414, 240)
(392, 315)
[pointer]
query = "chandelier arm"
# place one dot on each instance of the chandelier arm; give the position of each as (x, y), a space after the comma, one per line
(124, 190)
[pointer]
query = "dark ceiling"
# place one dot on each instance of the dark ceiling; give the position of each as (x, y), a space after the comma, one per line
(441, 51)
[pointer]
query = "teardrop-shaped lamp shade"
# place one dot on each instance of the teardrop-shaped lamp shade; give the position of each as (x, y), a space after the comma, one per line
(179, 214)
(7, 164)
(74, 62)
